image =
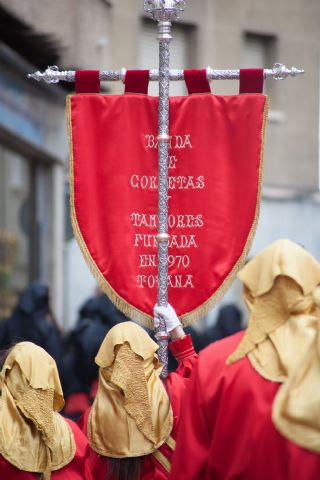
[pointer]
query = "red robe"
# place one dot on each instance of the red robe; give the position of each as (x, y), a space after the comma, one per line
(182, 349)
(226, 429)
(73, 471)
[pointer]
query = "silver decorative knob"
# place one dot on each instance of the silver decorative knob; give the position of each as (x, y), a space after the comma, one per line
(163, 237)
(162, 335)
(281, 72)
(164, 10)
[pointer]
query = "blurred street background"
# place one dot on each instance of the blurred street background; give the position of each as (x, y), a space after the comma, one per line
(36, 241)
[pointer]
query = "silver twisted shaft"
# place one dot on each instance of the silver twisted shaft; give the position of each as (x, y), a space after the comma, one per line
(164, 28)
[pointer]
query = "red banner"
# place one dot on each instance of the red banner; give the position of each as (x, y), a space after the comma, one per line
(215, 168)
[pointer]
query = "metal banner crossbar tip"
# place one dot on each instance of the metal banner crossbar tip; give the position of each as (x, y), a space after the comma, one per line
(164, 12)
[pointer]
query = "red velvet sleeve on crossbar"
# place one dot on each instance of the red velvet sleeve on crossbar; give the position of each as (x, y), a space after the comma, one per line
(196, 81)
(87, 81)
(137, 81)
(251, 80)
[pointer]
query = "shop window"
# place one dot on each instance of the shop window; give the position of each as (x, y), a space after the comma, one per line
(258, 51)
(25, 225)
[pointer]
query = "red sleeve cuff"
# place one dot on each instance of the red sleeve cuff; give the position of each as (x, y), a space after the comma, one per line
(182, 348)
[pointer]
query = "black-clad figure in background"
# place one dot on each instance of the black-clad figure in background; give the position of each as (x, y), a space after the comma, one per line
(33, 321)
(229, 321)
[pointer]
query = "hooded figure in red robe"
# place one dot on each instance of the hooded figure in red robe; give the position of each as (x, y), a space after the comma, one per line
(36, 442)
(133, 422)
(252, 409)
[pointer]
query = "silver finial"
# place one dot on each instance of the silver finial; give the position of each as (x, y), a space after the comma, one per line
(164, 10)
(50, 75)
(281, 72)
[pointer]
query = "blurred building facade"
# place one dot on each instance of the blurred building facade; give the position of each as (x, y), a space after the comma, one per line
(32, 164)
(112, 34)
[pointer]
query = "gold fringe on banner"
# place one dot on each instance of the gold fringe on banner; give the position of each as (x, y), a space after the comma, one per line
(126, 308)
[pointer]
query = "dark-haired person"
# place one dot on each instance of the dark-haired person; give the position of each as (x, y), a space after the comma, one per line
(32, 321)
(252, 407)
(134, 419)
(229, 321)
(35, 441)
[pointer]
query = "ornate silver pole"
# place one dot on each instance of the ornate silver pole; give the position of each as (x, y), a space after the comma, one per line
(163, 11)
(54, 75)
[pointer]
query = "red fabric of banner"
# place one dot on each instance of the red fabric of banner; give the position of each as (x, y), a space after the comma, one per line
(214, 187)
